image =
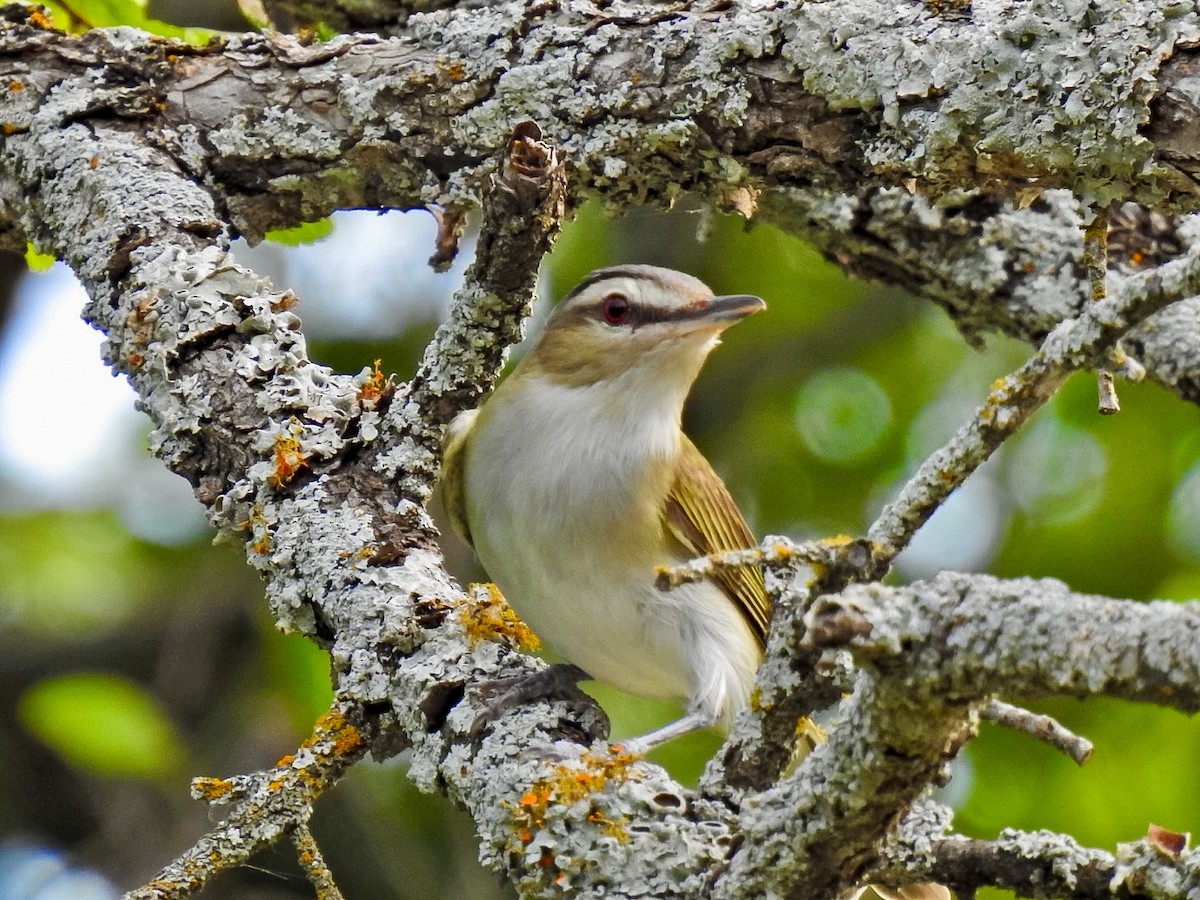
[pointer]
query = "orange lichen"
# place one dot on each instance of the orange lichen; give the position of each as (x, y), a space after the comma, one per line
(335, 729)
(143, 329)
(40, 19)
(454, 70)
(284, 301)
(16, 86)
(256, 523)
(756, 701)
(486, 616)
(290, 458)
(212, 789)
(374, 387)
(572, 783)
(94, 162)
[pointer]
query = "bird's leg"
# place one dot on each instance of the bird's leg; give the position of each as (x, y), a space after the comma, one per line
(693, 721)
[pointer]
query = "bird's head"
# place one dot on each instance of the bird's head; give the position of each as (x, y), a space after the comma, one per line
(625, 322)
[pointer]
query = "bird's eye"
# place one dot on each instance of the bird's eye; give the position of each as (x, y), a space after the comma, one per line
(615, 309)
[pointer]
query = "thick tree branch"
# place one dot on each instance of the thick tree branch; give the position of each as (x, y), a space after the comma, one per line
(269, 441)
(325, 475)
(283, 132)
(978, 636)
(933, 654)
(488, 316)
(382, 16)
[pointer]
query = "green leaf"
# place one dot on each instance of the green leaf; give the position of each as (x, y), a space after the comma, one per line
(305, 233)
(80, 15)
(59, 17)
(103, 725)
(106, 13)
(37, 262)
(255, 13)
(325, 32)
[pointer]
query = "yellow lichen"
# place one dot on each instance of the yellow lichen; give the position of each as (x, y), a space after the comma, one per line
(374, 387)
(486, 616)
(839, 540)
(335, 730)
(211, 789)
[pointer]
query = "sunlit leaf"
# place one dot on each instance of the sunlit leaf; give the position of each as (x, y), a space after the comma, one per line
(106, 13)
(37, 262)
(305, 233)
(80, 15)
(59, 17)
(102, 725)
(255, 13)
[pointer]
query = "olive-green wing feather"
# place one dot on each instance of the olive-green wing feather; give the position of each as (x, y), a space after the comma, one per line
(702, 516)
(454, 462)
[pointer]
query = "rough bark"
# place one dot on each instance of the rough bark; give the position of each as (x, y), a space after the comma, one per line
(952, 148)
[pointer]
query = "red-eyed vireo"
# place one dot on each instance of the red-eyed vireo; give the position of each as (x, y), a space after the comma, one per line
(574, 481)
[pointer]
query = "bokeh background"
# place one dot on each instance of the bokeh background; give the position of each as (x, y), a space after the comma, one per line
(136, 653)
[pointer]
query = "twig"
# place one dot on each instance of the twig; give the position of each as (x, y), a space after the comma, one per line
(1072, 344)
(266, 805)
(313, 864)
(522, 214)
(774, 551)
(1095, 260)
(1044, 864)
(1044, 728)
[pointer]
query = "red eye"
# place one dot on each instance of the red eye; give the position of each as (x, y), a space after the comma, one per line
(615, 309)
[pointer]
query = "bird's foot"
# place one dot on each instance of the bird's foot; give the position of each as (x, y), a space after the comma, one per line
(559, 682)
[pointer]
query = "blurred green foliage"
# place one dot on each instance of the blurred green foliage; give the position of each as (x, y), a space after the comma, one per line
(80, 15)
(103, 725)
(304, 233)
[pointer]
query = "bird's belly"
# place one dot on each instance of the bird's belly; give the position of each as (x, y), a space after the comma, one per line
(617, 631)
(573, 548)
(688, 644)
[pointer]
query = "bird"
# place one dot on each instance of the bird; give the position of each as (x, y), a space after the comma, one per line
(574, 482)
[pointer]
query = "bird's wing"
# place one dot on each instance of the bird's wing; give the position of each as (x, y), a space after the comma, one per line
(702, 516)
(454, 489)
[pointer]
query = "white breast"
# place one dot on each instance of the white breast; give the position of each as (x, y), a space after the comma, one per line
(563, 499)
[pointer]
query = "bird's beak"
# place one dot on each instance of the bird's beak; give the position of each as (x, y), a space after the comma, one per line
(732, 308)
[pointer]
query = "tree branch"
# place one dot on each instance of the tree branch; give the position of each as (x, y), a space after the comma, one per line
(282, 132)
(267, 805)
(1043, 864)
(1044, 728)
(324, 475)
